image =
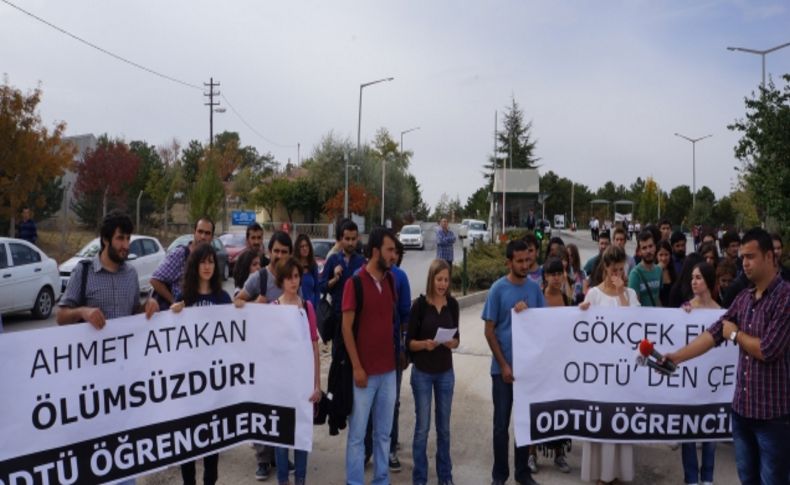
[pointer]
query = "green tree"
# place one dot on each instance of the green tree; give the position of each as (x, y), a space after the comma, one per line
(207, 196)
(477, 205)
(514, 138)
(648, 203)
(190, 160)
(289, 196)
(309, 202)
(268, 194)
(678, 204)
(723, 212)
(421, 211)
(151, 166)
(31, 156)
(326, 166)
(764, 150)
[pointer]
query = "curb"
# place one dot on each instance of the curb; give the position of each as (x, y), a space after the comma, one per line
(471, 299)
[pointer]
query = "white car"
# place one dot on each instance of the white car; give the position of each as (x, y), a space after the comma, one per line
(28, 279)
(411, 237)
(145, 254)
(477, 231)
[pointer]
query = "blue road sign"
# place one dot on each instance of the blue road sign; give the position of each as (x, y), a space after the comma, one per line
(242, 218)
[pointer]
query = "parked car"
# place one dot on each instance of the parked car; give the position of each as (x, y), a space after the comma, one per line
(222, 254)
(28, 279)
(321, 248)
(477, 231)
(235, 243)
(412, 237)
(145, 255)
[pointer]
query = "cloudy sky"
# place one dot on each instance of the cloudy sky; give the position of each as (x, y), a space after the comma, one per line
(606, 84)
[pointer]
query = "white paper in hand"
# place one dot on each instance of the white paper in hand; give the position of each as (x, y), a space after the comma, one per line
(444, 335)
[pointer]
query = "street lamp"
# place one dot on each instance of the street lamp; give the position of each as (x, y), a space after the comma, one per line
(359, 135)
(693, 166)
(761, 53)
(403, 133)
(383, 182)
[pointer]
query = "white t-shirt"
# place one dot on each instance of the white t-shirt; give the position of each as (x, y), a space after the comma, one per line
(596, 297)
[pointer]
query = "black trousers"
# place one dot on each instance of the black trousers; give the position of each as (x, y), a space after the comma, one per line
(210, 463)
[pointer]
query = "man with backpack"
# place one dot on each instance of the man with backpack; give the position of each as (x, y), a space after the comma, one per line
(105, 287)
(166, 280)
(369, 303)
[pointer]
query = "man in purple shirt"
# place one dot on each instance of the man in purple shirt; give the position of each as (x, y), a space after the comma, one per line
(758, 321)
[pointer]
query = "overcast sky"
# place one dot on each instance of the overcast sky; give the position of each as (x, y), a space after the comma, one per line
(606, 84)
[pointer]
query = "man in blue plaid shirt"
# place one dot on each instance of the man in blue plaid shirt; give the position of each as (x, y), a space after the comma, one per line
(445, 239)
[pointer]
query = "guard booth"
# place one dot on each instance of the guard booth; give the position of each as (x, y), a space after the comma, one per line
(515, 193)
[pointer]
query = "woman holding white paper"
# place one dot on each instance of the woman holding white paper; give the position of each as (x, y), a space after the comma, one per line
(606, 463)
(432, 333)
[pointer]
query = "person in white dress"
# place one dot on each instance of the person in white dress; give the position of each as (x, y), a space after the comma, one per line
(608, 463)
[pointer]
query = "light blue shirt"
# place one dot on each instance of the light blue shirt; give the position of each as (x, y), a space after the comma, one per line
(502, 297)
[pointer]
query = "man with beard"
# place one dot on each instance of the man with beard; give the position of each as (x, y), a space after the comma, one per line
(645, 279)
(514, 291)
(339, 267)
(369, 301)
(166, 280)
(111, 288)
(254, 239)
(759, 324)
(678, 242)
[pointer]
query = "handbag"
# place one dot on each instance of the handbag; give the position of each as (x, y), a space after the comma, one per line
(325, 317)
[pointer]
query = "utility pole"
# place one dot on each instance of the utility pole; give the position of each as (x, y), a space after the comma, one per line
(211, 104)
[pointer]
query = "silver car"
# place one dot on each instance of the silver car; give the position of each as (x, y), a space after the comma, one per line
(28, 279)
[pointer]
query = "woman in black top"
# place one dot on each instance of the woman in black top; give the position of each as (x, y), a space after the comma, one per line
(433, 370)
(668, 276)
(201, 286)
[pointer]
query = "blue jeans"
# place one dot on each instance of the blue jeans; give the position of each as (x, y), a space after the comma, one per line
(503, 405)
(761, 449)
(378, 396)
(692, 472)
(300, 464)
(424, 384)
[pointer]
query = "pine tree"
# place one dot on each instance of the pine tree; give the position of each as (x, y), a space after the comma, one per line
(515, 135)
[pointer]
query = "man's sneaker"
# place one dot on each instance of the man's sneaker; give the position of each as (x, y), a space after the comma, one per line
(532, 463)
(560, 463)
(262, 473)
(394, 463)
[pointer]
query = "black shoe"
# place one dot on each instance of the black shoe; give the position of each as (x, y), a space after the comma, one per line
(497, 482)
(262, 473)
(394, 463)
(527, 481)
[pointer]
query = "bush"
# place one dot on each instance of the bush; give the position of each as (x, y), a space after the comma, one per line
(485, 264)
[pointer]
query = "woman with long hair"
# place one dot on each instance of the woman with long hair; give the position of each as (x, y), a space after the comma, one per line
(668, 275)
(606, 463)
(288, 275)
(681, 290)
(201, 286)
(432, 373)
(703, 284)
(303, 250)
(247, 263)
(708, 251)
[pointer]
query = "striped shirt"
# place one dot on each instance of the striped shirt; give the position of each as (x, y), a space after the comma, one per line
(762, 388)
(115, 294)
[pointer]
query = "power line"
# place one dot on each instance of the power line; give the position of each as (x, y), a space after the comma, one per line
(241, 118)
(100, 49)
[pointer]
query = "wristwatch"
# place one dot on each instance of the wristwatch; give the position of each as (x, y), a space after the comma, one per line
(733, 335)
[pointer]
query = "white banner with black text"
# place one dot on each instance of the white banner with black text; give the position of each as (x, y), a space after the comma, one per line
(83, 406)
(578, 374)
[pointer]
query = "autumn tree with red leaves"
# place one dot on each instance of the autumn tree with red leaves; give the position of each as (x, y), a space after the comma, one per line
(103, 180)
(359, 200)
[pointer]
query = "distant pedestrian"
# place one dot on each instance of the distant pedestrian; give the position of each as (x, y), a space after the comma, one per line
(26, 227)
(303, 249)
(433, 373)
(202, 286)
(759, 324)
(511, 292)
(530, 222)
(445, 242)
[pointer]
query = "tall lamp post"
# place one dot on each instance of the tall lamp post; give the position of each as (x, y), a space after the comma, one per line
(403, 133)
(761, 53)
(693, 165)
(359, 135)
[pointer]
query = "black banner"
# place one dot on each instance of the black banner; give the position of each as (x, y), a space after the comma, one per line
(622, 422)
(140, 450)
